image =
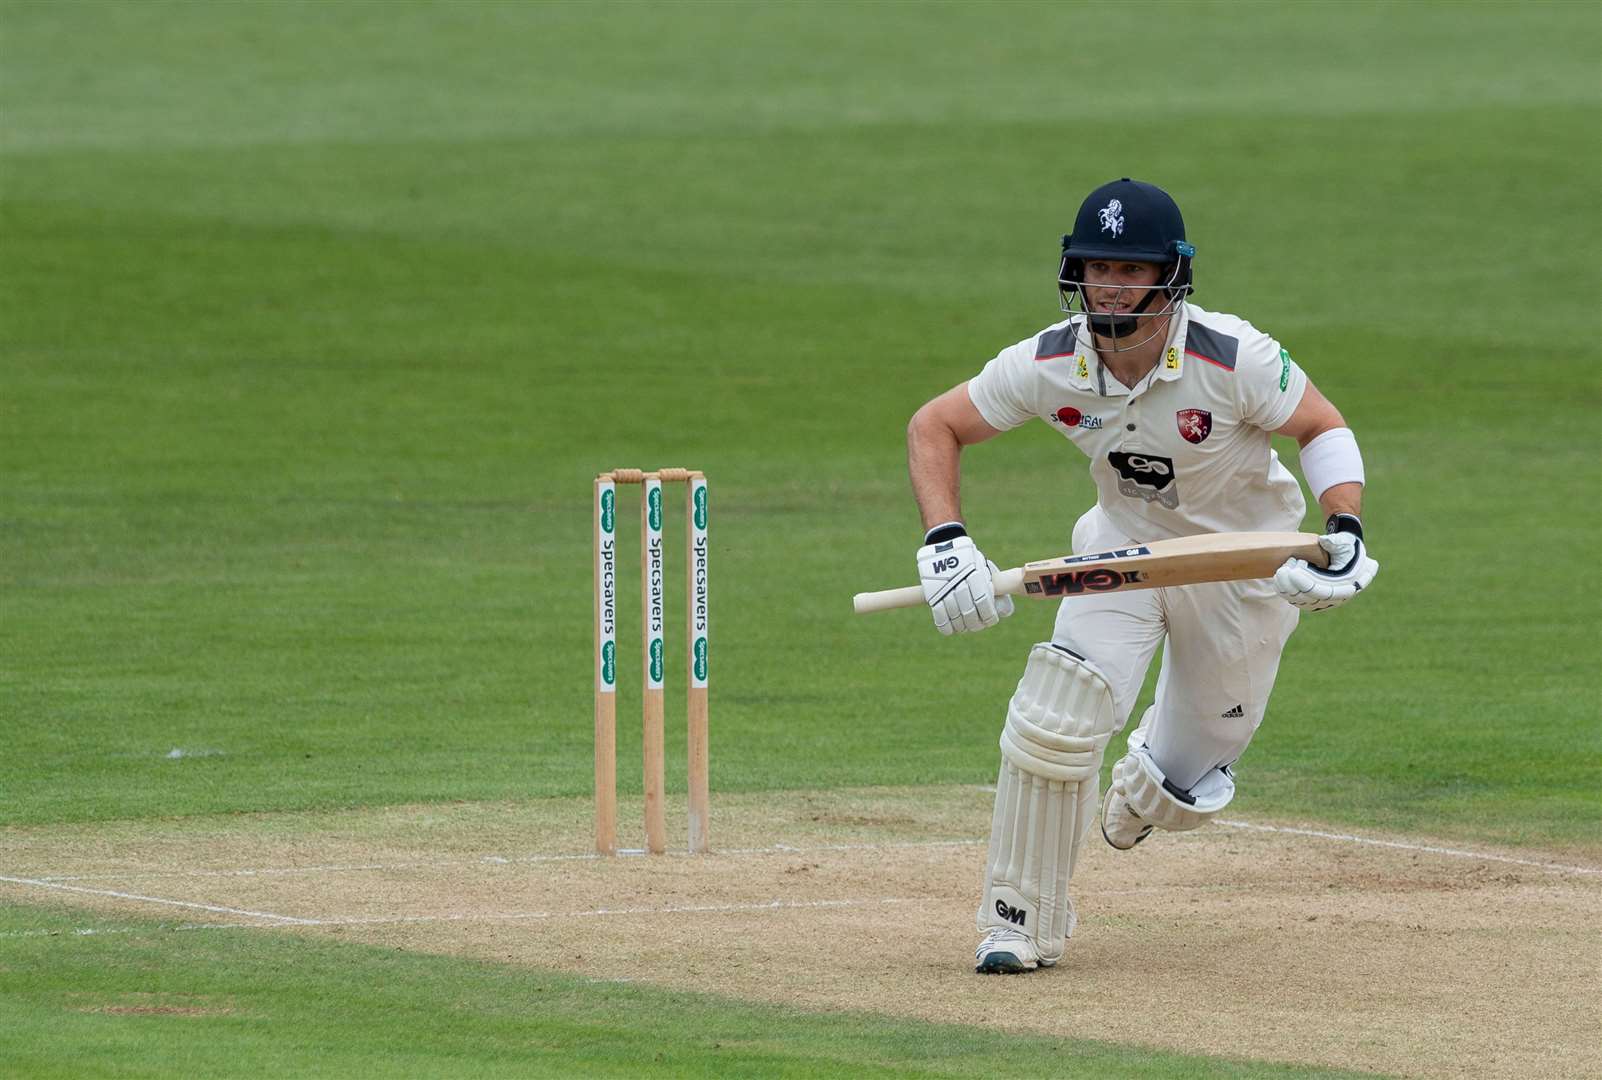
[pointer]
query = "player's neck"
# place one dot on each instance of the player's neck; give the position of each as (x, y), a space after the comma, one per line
(1130, 365)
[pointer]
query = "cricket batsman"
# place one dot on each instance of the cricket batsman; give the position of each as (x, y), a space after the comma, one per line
(1174, 406)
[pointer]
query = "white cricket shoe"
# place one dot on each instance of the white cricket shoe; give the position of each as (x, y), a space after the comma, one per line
(1007, 952)
(1120, 825)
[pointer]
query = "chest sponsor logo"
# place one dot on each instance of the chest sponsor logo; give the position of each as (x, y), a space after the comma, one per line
(1194, 424)
(1068, 416)
(1147, 477)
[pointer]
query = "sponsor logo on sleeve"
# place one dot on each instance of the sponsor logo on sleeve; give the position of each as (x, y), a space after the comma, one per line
(1284, 370)
(1194, 424)
(1146, 477)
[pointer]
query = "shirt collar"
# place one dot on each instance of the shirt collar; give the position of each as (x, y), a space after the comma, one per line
(1170, 365)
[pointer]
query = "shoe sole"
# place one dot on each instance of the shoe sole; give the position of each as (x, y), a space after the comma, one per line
(1143, 834)
(1002, 963)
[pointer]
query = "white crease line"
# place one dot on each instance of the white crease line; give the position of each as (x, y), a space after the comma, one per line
(494, 860)
(1456, 853)
(506, 916)
(778, 849)
(257, 872)
(686, 909)
(157, 900)
(97, 931)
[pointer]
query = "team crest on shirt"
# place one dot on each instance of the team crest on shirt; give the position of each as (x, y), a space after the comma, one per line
(1194, 424)
(1112, 218)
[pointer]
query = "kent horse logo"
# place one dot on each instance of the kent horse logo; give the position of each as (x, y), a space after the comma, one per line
(1194, 424)
(1112, 217)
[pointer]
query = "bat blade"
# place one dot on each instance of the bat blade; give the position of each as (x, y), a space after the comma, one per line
(1188, 560)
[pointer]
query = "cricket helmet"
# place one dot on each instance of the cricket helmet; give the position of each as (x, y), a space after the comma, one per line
(1131, 221)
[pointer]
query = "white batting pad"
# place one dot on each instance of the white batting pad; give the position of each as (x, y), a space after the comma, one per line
(1138, 779)
(1058, 724)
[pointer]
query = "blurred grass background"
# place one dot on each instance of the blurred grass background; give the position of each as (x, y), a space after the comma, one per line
(316, 319)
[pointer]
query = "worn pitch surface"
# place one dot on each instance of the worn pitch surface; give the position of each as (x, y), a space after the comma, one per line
(1405, 956)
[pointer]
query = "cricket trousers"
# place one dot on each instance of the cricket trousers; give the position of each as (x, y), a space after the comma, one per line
(1221, 645)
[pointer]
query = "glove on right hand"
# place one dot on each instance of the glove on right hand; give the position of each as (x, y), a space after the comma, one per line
(1312, 588)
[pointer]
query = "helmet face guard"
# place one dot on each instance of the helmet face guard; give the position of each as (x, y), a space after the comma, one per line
(1173, 285)
(1127, 221)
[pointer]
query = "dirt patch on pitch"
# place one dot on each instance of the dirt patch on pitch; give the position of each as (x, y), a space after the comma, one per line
(1238, 940)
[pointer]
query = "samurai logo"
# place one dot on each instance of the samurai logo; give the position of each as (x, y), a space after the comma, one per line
(1112, 218)
(1194, 424)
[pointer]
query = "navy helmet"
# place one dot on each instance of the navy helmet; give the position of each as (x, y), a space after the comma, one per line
(1132, 221)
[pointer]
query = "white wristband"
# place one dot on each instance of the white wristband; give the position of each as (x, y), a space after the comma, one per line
(1330, 459)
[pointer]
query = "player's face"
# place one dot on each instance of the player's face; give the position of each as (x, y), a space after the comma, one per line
(1112, 287)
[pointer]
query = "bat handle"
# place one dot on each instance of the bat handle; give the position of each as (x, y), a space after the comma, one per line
(1007, 583)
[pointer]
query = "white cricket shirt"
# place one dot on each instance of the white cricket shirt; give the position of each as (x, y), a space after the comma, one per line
(1185, 451)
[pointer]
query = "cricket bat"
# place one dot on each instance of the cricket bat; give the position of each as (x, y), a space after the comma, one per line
(1185, 561)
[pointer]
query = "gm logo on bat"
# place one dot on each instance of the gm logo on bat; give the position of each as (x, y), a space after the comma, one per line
(1099, 579)
(1121, 553)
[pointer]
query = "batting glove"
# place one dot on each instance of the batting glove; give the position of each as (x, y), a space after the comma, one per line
(1350, 569)
(957, 582)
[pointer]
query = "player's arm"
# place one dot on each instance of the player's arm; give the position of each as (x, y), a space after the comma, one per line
(955, 574)
(935, 438)
(1334, 471)
(1316, 418)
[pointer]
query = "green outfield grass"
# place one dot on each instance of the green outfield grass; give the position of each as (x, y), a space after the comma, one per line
(316, 320)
